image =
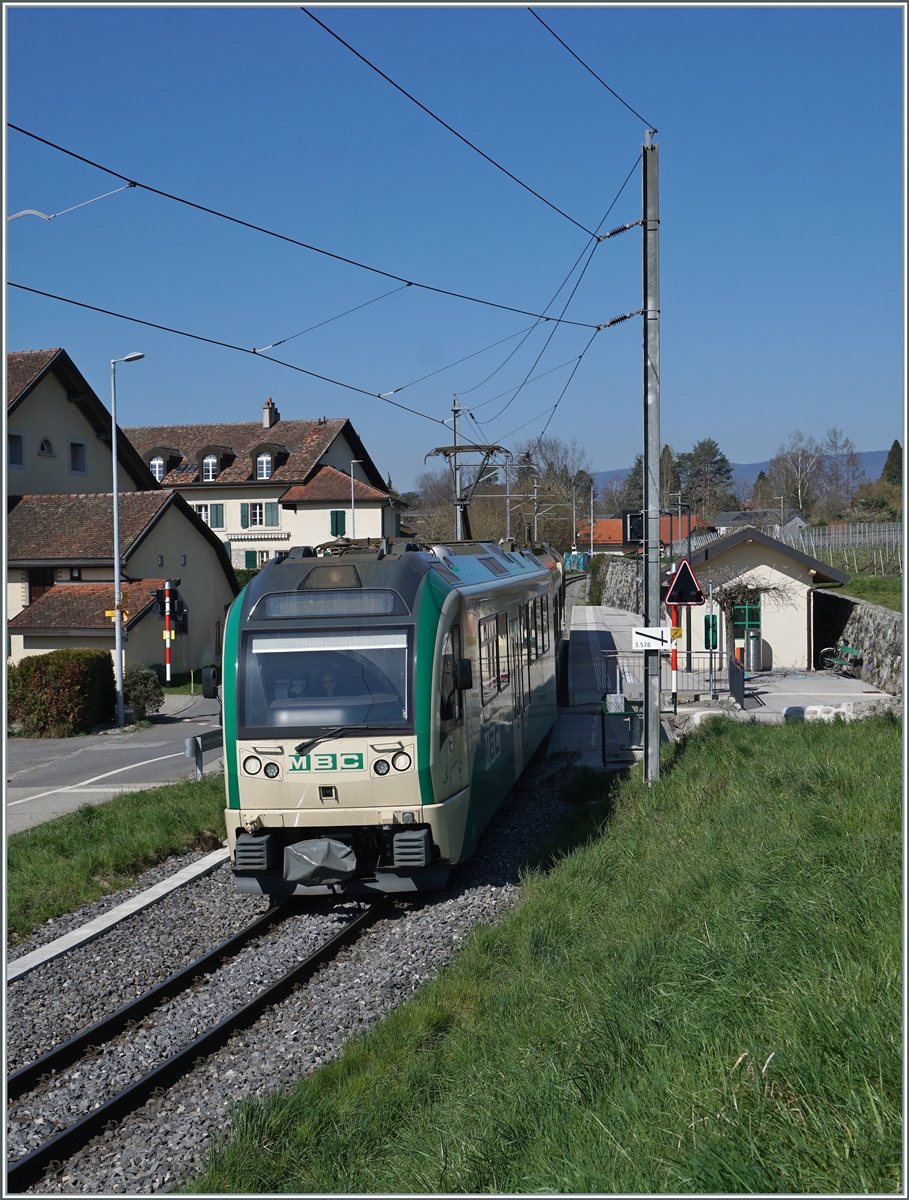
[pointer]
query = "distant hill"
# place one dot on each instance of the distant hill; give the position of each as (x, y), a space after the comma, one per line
(872, 460)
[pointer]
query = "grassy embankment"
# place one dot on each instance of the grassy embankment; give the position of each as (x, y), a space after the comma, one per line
(702, 997)
(72, 860)
(886, 590)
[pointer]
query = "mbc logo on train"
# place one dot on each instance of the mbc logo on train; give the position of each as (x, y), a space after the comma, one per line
(326, 762)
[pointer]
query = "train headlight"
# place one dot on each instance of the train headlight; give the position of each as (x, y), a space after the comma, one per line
(401, 761)
(381, 767)
(272, 770)
(252, 765)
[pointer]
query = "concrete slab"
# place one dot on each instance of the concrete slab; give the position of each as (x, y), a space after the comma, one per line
(86, 933)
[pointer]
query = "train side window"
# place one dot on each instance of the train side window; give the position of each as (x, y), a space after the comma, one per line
(489, 665)
(526, 610)
(450, 700)
(504, 671)
(531, 632)
(544, 623)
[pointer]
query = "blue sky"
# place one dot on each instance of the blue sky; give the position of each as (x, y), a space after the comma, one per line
(781, 188)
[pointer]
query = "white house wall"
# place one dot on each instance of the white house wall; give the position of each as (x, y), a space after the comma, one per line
(203, 586)
(46, 413)
(784, 617)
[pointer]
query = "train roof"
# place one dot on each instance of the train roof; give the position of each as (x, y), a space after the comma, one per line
(397, 565)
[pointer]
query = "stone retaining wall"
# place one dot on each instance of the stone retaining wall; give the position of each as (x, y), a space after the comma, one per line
(618, 577)
(878, 634)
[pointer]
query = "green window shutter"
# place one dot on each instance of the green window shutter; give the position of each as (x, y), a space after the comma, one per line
(271, 513)
(338, 523)
(217, 516)
(397, 524)
(244, 516)
(227, 547)
(251, 561)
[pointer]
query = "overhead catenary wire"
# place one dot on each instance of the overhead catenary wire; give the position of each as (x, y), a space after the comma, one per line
(198, 337)
(290, 240)
(346, 313)
(489, 420)
(64, 211)
(592, 72)
(565, 389)
(595, 239)
(434, 116)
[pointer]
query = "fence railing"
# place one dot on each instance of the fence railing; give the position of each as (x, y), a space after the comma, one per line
(859, 546)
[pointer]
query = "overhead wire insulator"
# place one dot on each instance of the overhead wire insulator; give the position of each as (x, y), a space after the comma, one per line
(618, 229)
(619, 320)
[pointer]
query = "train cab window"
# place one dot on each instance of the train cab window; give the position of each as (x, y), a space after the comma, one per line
(489, 658)
(450, 701)
(504, 672)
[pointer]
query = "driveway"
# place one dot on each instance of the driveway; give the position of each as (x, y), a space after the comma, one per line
(46, 777)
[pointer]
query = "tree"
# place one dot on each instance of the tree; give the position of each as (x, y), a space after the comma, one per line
(670, 482)
(706, 478)
(893, 467)
(632, 495)
(762, 492)
(796, 470)
(841, 474)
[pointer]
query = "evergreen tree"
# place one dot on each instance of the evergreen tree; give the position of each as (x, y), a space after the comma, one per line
(670, 484)
(893, 467)
(706, 478)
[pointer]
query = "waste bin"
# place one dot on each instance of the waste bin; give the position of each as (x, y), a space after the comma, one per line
(752, 650)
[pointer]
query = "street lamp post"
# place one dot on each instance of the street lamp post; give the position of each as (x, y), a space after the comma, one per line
(353, 518)
(118, 620)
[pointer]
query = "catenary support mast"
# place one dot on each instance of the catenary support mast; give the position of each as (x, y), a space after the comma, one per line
(651, 319)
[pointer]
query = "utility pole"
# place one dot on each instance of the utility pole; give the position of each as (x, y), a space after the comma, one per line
(456, 409)
(536, 537)
(574, 519)
(651, 319)
(591, 522)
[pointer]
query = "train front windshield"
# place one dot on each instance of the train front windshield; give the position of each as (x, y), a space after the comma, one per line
(300, 681)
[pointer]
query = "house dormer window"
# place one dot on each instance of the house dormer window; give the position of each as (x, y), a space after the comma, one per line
(156, 466)
(263, 466)
(209, 468)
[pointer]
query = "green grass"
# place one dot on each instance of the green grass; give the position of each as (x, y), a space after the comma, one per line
(704, 996)
(886, 590)
(72, 860)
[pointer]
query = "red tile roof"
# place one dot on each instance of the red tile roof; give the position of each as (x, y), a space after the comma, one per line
(304, 443)
(607, 531)
(329, 486)
(76, 527)
(83, 605)
(22, 367)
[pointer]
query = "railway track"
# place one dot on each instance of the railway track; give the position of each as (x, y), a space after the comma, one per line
(30, 1168)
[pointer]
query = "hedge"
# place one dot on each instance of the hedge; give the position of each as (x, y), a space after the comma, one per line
(62, 693)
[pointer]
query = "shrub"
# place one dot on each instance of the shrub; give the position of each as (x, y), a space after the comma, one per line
(245, 574)
(62, 693)
(142, 690)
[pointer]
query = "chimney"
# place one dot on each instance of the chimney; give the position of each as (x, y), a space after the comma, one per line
(270, 414)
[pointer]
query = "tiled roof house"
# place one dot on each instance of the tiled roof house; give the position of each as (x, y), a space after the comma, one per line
(608, 535)
(265, 486)
(59, 432)
(60, 573)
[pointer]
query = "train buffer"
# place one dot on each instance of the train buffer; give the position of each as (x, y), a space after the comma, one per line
(211, 739)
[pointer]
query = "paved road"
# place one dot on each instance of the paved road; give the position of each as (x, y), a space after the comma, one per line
(46, 777)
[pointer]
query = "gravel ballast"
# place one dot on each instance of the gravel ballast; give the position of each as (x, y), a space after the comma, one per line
(167, 1138)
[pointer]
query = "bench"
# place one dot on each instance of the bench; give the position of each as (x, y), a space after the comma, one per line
(840, 658)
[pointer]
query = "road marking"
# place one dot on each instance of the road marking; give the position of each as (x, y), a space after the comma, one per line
(95, 778)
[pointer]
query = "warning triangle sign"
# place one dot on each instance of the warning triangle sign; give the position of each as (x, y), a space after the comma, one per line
(684, 588)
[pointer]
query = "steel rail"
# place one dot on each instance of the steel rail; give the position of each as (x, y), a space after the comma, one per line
(29, 1169)
(60, 1057)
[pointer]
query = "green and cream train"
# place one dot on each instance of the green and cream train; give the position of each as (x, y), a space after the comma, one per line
(378, 705)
